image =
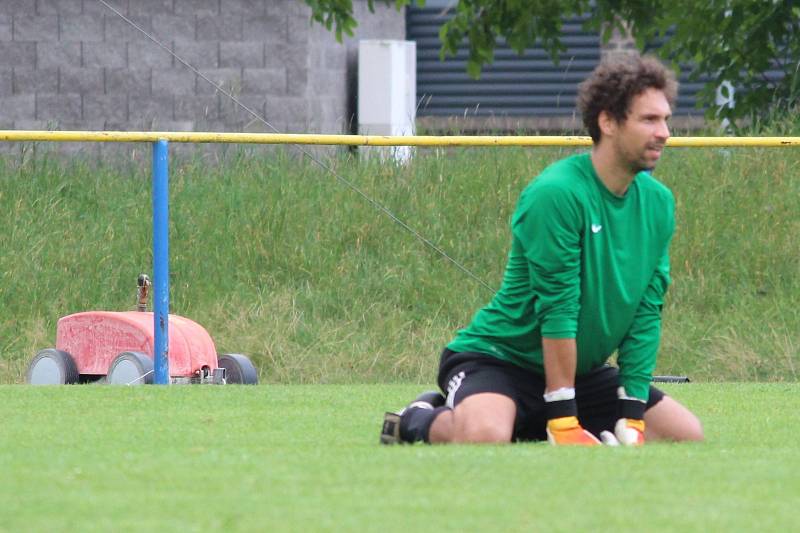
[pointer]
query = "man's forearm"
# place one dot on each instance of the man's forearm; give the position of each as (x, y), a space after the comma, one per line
(560, 363)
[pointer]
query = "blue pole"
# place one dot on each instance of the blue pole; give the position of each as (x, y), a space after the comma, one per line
(161, 262)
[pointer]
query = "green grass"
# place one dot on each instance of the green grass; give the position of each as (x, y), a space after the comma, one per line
(306, 458)
(280, 261)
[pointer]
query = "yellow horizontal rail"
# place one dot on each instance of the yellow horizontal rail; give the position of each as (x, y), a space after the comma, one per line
(365, 140)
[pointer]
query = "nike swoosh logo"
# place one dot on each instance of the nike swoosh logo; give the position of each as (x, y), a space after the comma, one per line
(596, 228)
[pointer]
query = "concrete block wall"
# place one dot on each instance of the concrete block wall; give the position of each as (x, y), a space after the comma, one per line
(75, 64)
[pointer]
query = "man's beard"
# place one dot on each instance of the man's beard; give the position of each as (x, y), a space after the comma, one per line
(638, 163)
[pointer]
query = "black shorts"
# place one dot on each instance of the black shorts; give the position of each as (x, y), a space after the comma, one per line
(462, 374)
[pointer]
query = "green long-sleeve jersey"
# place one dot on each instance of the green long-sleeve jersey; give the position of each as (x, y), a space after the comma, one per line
(584, 264)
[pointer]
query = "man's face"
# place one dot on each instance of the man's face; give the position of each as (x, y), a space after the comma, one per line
(640, 138)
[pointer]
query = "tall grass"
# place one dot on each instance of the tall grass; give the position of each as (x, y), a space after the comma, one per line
(279, 260)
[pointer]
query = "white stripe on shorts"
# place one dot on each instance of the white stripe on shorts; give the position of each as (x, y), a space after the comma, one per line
(452, 387)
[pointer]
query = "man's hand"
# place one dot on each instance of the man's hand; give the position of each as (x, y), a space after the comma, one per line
(629, 429)
(567, 431)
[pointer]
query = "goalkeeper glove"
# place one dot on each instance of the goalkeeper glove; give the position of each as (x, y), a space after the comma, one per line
(566, 431)
(563, 427)
(629, 429)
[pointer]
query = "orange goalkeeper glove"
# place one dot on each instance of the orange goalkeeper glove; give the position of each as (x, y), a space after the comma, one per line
(567, 431)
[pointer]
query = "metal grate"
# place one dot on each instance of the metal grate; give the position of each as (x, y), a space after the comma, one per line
(527, 85)
(513, 85)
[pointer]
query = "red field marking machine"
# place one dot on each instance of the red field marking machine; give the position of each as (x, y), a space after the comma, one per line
(118, 347)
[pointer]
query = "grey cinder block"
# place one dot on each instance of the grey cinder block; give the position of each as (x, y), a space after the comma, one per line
(33, 124)
(93, 6)
(6, 82)
(198, 54)
(173, 27)
(29, 80)
(230, 110)
(219, 28)
(248, 8)
(82, 125)
(327, 82)
(109, 55)
(323, 110)
(231, 124)
(81, 80)
(85, 28)
(286, 55)
(197, 7)
(33, 28)
(267, 28)
(288, 7)
(300, 127)
(148, 55)
(59, 7)
(385, 23)
(58, 107)
(117, 29)
(229, 79)
(287, 109)
(56, 55)
(335, 56)
(154, 8)
(264, 80)
(296, 80)
(299, 28)
(147, 108)
(5, 27)
(162, 124)
(205, 107)
(101, 73)
(316, 57)
(173, 81)
(213, 125)
(246, 54)
(109, 107)
(18, 7)
(133, 81)
(256, 126)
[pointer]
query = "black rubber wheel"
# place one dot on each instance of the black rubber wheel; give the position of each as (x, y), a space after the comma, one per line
(131, 368)
(52, 367)
(238, 369)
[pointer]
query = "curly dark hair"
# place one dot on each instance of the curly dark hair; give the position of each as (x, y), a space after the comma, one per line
(614, 83)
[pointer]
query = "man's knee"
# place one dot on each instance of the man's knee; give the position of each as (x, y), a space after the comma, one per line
(669, 420)
(693, 430)
(484, 418)
(482, 432)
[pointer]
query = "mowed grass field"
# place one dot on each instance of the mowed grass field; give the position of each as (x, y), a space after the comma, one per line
(342, 311)
(307, 458)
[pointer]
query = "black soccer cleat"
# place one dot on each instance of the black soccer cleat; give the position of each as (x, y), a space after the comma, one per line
(391, 432)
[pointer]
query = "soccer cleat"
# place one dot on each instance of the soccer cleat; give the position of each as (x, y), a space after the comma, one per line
(394, 430)
(567, 431)
(390, 432)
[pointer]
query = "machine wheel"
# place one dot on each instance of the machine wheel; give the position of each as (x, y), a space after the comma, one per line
(131, 368)
(238, 369)
(52, 367)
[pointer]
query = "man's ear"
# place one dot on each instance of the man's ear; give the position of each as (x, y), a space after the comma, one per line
(607, 123)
